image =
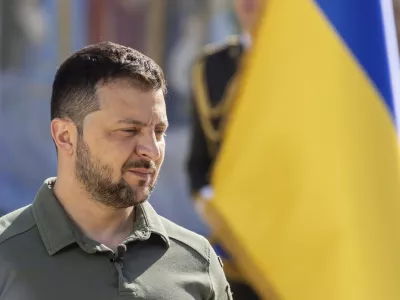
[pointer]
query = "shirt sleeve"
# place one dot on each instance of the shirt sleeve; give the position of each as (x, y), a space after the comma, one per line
(219, 284)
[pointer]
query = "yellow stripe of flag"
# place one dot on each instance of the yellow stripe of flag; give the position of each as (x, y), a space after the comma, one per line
(307, 194)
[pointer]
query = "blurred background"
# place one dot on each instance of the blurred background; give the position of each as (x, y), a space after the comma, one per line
(37, 35)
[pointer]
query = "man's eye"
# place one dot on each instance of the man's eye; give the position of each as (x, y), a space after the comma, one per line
(131, 131)
(161, 133)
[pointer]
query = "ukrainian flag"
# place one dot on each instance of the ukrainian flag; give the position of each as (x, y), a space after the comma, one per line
(307, 184)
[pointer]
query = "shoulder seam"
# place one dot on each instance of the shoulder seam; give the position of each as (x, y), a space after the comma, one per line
(208, 271)
(196, 242)
(17, 234)
(207, 259)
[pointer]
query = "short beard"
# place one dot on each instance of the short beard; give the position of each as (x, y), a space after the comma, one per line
(96, 179)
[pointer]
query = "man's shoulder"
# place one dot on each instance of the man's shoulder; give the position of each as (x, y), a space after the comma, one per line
(187, 238)
(16, 222)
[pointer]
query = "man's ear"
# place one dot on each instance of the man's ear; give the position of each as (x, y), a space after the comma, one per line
(62, 131)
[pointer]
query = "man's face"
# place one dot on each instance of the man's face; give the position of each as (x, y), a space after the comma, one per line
(247, 12)
(119, 156)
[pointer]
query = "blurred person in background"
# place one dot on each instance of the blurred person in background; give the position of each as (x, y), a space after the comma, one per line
(396, 9)
(23, 146)
(213, 81)
(93, 221)
(22, 28)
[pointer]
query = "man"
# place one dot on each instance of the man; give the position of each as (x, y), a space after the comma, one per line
(214, 82)
(90, 232)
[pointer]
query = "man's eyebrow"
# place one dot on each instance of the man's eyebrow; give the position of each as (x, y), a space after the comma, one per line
(163, 124)
(131, 121)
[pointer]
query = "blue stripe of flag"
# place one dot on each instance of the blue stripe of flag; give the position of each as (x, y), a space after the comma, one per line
(360, 25)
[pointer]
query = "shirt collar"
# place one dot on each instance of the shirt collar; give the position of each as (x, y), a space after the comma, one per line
(58, 231)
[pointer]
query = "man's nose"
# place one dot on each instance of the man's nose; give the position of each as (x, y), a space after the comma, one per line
(148, 147)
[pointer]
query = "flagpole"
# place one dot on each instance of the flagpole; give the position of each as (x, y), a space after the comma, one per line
(393, 55)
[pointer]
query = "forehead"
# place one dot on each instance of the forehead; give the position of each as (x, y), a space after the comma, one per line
(121, 100)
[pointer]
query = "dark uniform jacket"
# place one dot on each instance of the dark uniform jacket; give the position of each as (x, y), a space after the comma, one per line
(213, 76)
(214, 83)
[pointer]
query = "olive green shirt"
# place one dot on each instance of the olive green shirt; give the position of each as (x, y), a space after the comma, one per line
(44, 255)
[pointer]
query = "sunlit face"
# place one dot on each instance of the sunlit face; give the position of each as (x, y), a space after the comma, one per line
(247, 12)
(119, 156)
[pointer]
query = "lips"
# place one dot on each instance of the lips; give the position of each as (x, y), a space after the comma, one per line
(142, 170)
(142, 173)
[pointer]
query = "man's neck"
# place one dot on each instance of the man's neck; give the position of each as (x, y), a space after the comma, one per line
(100, 223)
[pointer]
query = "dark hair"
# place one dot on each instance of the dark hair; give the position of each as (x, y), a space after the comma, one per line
(77, 79)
